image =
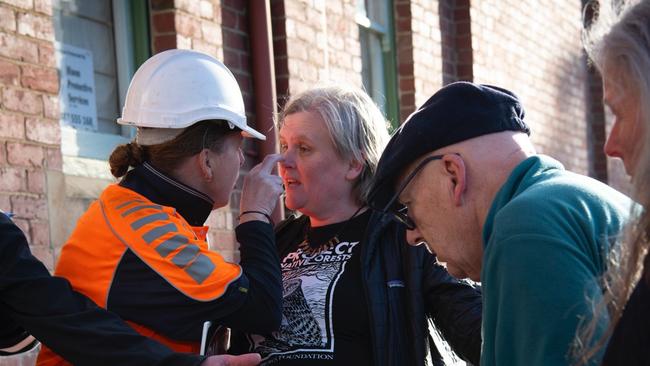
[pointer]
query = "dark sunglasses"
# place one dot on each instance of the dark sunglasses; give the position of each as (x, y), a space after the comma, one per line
(400, 212)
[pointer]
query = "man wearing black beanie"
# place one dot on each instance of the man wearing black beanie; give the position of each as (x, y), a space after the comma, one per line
(464, 178)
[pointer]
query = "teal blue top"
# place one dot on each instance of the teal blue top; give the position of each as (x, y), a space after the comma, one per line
(545, 239)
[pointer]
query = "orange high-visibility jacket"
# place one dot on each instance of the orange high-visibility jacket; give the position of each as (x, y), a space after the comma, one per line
(123, 220)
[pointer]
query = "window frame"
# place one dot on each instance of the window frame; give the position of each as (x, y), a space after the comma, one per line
(85, 152)
(388, 61)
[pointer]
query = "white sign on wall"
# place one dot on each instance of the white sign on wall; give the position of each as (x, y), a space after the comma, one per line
(77, 92)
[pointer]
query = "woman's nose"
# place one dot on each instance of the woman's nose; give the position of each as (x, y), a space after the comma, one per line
(287, 160)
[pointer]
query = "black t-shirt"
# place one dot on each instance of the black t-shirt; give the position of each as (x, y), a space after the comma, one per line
(631, 339)
(325, 313)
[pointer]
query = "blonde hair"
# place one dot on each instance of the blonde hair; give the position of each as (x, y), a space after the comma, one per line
(356, 126)
(619, 45)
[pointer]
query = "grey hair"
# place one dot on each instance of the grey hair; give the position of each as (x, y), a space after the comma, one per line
(618, 43)
(356, 126)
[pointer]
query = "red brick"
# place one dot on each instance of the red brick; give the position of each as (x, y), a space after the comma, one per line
(277, 8)
(162, 4)
(405, 57)
(205, 47)
(211, 32)
(190, 6)
(231, 59)
(404, 24)
(407, 99)
(23, 4)
(9, 73)
(40, 78)
(234, 40)
(12, 126)
(405, 69)
(51, 106)
(465, 71)
(12, 179)
(164, 22)
(43, 6)
(207, 10)
(22, 101)
(234, 4)
(403, 10)
(36, 181)
(43, 130)
(164, 42)
(23, 225)
(45, 255)
(244, 61)
(463, 27)
(5, 203)
(18, 48)
(37, 26)
(26, 207)
(229, 18)
(280, 47)
(244, 81)
(187, 25)
(222, 240)
(53, 158)
(24, 155)
(7, 19)
(46, 55)
(406, 84)
(40, 231)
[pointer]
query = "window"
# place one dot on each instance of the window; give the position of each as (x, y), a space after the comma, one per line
(375, 20)
(99, 45)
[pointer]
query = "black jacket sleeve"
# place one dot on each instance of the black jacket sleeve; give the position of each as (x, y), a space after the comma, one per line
(455, 307)
(252, 303)
(66, 321)
(262, 311)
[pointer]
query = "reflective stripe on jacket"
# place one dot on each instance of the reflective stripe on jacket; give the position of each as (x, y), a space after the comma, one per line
(123, 220)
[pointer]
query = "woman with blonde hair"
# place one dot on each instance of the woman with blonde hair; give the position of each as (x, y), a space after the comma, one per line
(354, 292)
(620, 50)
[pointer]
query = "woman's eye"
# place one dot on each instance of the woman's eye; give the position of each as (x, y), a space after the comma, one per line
(283, 147)
(303, 148)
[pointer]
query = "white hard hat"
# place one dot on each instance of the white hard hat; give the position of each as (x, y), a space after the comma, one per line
(178, 88)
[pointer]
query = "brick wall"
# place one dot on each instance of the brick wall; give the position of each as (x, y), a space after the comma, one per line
(419, 31)
(322, 43)
(536, 52)
(29, 128)
(427, 49)
(456, 38)
(237, 56)
(186, 24)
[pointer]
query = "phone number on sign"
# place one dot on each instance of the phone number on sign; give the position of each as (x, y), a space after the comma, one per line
(76, 119)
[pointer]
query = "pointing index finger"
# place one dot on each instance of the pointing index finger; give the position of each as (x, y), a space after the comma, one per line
(269, 163)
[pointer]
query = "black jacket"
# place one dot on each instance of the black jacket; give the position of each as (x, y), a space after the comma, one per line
(406, 289)
(33, 301)
(140, 294)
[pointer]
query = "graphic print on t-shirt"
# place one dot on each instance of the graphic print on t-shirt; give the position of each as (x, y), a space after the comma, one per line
(308, 287)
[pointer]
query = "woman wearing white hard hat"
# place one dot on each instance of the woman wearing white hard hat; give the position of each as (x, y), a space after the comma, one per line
(140, 250)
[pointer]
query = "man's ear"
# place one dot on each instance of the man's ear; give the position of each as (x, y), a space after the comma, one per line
(205, 164)
(456, 170)
(354, 170)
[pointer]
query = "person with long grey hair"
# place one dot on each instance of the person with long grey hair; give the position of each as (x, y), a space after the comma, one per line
(619, 45)
(354, 292)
